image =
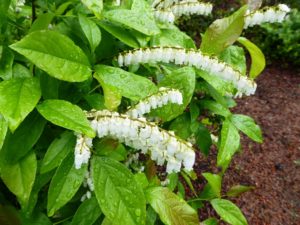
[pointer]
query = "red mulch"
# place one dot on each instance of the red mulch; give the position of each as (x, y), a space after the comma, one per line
(270, 166)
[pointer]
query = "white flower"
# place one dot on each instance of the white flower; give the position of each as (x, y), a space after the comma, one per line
(163, 146)
(82, 150)
(190, 8)
(161, 98)
(165, 16)
(196, 58)
(267, 14)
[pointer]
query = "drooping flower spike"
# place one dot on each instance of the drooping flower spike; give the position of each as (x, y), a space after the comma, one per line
(267, 14)
(164, 16)
(82, 150)
(189, 57)
(163, 97)
(162, 145)
(190, 8)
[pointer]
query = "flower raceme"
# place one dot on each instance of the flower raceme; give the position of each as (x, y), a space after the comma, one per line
(163, 97)
(189, 57)
(162, 145)
(168, 15)
(267, 14)
(82, 150)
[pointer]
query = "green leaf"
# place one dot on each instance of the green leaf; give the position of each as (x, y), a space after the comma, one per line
(258, 61)
(4, 6)
(235, 57)
(203, 139)
(207, 193)
(248, 126)
(37, 218)
(210, 221)
(110, 148)
(229, 212)
(42, 22)
(95, 6)
(120, 33)
(126, 84)
(183, 80)
(19, 177)
(64, 184)
(120, 197)
(67, 115)
(237, 190)
(95, 101)
(172, 37)
(20, 71)
(140, 18)
(57, 151)
(6, 63)
(181, 126)
(25, 137)
(171, 209)
(56, 54)
(3, 130)
(215, 108)
(87, 213)
(214, 180)
(18, 98)
(223, 32)
(90, 30)
(230, 141)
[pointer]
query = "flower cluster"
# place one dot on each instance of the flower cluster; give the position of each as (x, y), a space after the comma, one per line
(167, 11)
(88, 183)
(162, 145)
(82, 150)
(190, 57)
(191, 7)
(165, 16)
(163, 97)
(163, 4)
(268, 14)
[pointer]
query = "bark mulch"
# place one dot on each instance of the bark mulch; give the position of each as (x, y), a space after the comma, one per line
(270, 166)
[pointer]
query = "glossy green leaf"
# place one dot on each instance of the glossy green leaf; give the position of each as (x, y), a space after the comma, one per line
(210, 221)
(6, 63)
(126, 84)
(139, 18)
(64, 184)
(110, 148)
(120, 33)
(183, 80)
(67, 115)
(223, 32)
(120, 197)
(42, 22)
(20, 71)
(203, 139)
(258, 61)
(90, 30)
(171, 209)
(230, 141)
(25, 137)
(172, 37)
(214, 180)
(56, 54)
(215, 108)
(235, 57)
(19, 177)
(87, 213)
(207, 193)
(95, 6)
(237, 190)
(248, 126)
(18, 98)
(37, 218)
(229, 212)
(95, 101)
(57, 151)
(181, 126)
(3, 130)
(4, 6)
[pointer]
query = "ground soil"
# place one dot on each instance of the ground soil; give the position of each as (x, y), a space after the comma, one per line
(270, 166)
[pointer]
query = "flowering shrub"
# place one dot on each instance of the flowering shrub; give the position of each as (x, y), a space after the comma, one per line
(104, 104)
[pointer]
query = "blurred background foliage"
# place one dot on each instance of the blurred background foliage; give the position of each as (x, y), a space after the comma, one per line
(279, 42)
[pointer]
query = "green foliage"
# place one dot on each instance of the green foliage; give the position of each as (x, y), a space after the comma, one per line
(59, 64)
